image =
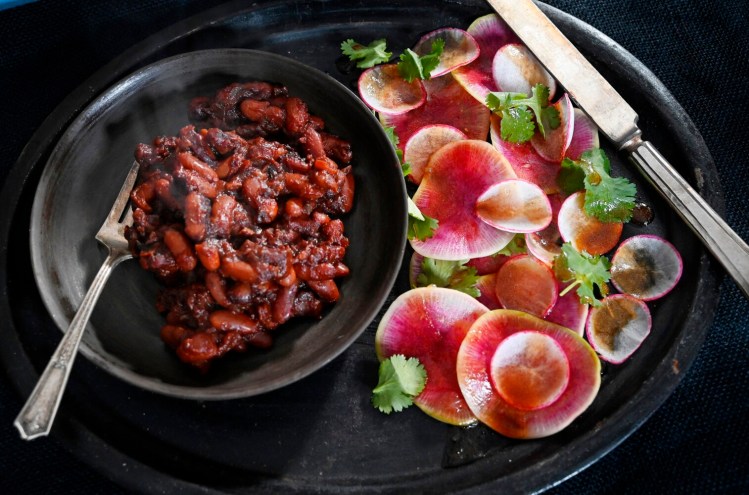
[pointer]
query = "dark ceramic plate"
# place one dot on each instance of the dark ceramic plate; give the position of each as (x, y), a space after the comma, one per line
(321, 434)
(83, 177)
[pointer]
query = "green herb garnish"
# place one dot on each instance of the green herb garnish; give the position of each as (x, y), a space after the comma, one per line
(607, 198)
(413, 66)
(584, 271)
(400, 380)
(451, 274)
(522, 115)
(366, 56)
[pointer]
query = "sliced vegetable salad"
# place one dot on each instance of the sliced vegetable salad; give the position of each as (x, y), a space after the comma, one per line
(515, 223)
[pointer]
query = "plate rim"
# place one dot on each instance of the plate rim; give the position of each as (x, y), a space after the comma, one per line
(706, 266)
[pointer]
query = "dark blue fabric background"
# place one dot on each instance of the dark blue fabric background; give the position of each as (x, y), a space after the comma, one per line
(697, 442)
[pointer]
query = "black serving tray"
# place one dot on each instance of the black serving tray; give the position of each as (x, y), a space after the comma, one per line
(321, 434)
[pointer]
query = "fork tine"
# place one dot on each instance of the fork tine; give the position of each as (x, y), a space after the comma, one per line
(123, 196)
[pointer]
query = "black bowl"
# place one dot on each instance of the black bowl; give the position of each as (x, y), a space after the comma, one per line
(88, 166)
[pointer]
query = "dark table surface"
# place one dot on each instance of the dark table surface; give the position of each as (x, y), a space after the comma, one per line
(697, 442)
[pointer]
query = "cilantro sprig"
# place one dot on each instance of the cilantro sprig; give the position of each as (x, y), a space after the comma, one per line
(400, 380)
(420, 226)
(414, 66)
(366, 55)
(395, 140)
(607, 198)
(522, 115)
(451, 274)
(584, 271)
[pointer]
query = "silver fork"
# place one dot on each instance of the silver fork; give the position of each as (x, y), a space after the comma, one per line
(36, 416)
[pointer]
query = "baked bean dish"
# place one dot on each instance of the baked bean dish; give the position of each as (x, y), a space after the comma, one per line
(239, 219)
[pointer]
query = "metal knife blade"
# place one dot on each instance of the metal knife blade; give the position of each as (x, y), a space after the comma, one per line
(618, 121)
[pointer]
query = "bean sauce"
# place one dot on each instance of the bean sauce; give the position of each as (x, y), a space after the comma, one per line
(239, 219)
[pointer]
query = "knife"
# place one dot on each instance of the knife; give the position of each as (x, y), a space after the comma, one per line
(618, 122)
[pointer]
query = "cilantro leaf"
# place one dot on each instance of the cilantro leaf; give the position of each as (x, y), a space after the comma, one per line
(584, 271)
(420, 226)
(366, 56)
(518, 110)
(405, 167)
(451, 274)
(400, 380)
(413, 66)
(515, 246)
(609, 199)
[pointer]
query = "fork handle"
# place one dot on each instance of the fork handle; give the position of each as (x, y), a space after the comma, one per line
(37, 415)
(727, 247)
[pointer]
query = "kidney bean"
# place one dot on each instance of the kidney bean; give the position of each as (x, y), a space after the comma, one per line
(284, 303)
(297, 116)
(209, 255)
(181, 249)
(238, 270)
(216, 286)
(326, 289)
(227, 321)
(196, 212)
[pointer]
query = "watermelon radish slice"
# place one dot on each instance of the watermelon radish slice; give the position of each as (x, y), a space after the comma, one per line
(429, 323)
(423, 143)
(488, 295)
(456, 176)
(415, 269)
(584, 135)
(526, 284)
(646, 266)
(586, 233)
(491, 33)
(546, 244)
(446, 103)
(515, 69)
(515, 205)
(553, 146)
(526, 162)
(529, 370)
(383, 89)
(488, 264)
(477, 376)
(569, 312)
(460, 49)
(617, 327)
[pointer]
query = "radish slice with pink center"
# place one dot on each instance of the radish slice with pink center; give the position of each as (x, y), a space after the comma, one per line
(584, 135)
(383, 89)
(456, 176)
(475, 376)
(554, 144)
(529, 370)
(586, 233)
(429, 323)
(491, 33)
(546, 244)
(487, 288)
(446, 103)
(646, 266)
(618, 327)
(460, 49)
(424, 143)
(569, 312)
(515, 205)
(526, 162)
(515, 69)
(488, 264)
(528, 285)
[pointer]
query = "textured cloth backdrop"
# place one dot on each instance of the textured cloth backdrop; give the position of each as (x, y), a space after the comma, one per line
(697, 442)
